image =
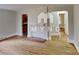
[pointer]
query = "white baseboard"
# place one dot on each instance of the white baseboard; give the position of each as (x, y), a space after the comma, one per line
(70, 41)
(37, 37)
(28, 35)
(55, 34)
(75, 44)
(11, 35)
(19, 34)
(4, 37)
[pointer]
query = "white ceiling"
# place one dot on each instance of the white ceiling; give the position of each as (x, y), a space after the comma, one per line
(17, 7)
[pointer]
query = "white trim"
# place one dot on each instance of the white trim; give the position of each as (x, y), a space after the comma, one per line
(38, 37)
(19, 34)
(70, 41)
(29, 36)
(4, 37)
(61, 12)
(75, 44)
(77, 48)
(11, 35)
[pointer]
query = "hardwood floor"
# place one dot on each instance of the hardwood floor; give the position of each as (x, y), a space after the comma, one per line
(22, 46)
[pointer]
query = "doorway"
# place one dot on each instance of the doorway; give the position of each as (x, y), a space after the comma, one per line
(62, 29)
(24, 24)
(59, 25)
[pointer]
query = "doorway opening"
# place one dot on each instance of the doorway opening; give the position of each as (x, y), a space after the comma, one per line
(59, 25)
(24, 24)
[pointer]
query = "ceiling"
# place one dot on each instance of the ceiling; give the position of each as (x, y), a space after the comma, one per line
(17, 7)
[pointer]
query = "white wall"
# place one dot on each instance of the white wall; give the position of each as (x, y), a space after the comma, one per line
(76, 26)
(55, 25)
(19, 24)
(7, 23)
(70, 18)
(32, 18)
(66, 23)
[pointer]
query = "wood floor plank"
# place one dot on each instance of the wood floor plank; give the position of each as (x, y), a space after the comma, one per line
(22, 46)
